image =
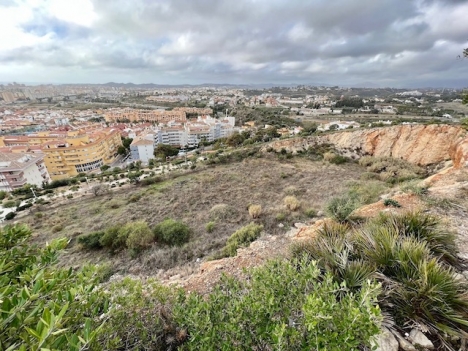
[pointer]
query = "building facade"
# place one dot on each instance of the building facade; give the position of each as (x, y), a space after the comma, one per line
(19, 169)
(72, 152)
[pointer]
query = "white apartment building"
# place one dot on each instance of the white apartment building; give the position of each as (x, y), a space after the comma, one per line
(142, 148)
(18, 169)
(188, 134)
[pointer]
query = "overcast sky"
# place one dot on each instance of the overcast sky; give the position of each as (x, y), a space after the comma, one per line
(397, 43)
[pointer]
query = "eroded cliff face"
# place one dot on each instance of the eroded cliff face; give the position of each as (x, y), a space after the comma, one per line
(420, 144)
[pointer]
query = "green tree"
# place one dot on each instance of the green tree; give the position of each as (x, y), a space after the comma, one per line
(126, 142)
(121, 150)
(163, 151)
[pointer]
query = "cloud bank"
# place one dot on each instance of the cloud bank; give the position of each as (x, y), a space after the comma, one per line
(400, 43)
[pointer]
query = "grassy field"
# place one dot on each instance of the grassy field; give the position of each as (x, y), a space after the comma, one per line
(220, 196)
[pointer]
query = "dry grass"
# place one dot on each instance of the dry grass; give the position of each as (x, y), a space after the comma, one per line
(291, 203)
(221, 194)
(255, 211)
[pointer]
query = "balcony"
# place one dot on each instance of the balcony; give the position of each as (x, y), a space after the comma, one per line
(18, 183)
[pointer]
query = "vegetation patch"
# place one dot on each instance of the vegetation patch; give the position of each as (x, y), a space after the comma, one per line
(414, 258)
(392, 170)
(241, 238)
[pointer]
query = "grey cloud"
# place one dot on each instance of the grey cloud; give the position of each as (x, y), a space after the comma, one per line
(254, 40)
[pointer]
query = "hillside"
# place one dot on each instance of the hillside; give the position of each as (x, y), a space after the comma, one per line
(220, 195)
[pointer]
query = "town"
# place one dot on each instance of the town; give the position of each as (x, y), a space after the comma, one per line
(56, 132)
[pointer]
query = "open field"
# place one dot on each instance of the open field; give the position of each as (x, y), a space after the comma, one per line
(220, 195)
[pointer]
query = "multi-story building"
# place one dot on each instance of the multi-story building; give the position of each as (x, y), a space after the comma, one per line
(72, 152)
(18, 169)
(154, 116)
(142, 148)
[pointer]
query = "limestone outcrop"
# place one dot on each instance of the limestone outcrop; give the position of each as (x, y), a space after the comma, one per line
(419, 144)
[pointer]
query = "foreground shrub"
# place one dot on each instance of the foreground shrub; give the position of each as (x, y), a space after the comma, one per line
(91, 241)
(141, 318)
(241, 238)
(172, 232)
(425, 228)
(281, 306)
(42, 306)
(414, 258)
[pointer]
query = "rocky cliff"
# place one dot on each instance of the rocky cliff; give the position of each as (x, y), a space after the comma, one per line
(420, 144)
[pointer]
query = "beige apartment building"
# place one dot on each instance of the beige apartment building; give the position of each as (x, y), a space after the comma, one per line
(134, 115)
(72, 152)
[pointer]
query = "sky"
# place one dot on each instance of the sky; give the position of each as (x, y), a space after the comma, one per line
(374, 43)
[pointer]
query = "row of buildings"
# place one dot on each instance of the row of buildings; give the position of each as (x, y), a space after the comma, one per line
(64, 153)
(188, 134)
(178, 114)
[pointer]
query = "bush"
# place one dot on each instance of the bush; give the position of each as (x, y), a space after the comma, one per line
(413, 257)
(241, 238)
(281, 306)
(255, 211)
(310, 212)
(45, 307)
(24, 207)
(291, 203)
(172, 232)
(112, 239)
(151, 180)
(57, 228)
(9, 204)
(139, 235)
(339, 208)
(91, 241)
(10, 216)
(391, 202)
(3, 195)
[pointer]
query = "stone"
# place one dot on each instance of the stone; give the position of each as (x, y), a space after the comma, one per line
(404, 344)
(299, 225)
(281, 225)
(320, 214)
(419, 339)
(385, 341)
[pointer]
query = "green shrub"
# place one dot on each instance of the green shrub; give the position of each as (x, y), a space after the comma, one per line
(3, 195)
(113, 239)
(172, 232)
(310, 212)
(91, 241)
(281, 306)
(9, 204)
(144, 318)
(391, 202)
(339, 208)
(45, 307)
(210, 226)
(338, 160)
(280, 217)
(10, 215)
(242, 237)
(413, 257)
(139, 235)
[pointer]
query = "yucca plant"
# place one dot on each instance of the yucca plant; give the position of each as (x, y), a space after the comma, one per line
(430, 296)
(424, 227)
